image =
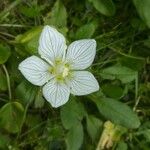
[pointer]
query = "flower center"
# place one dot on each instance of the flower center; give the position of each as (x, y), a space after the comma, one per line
(60, 70)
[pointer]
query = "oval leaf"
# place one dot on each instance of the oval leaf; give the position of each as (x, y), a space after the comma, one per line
(58, 15)
(122, 73)
(4, 53)
(75, 137)
(143, 10)
(86, 31)
(105, 7)
(93, 126)
(118, 112)
(71, 113)
(11, 115)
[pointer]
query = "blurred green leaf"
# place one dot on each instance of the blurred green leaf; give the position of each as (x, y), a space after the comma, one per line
(112, 91)
(4, 53)
(75, 137)
(138, 24)
(3, 81)
(93, 126)
(28, 41)
(134, 64)
(32, 120)
(54, 132)
(71, 113)
(25, 92)
(39, 100)
(145, 131)
(58, 16)
(86, 31)
(143, 10)
(11, 115)
(122, 146)
(4, 140)
(32, 11)
(106, 7)
(119, 72)
(117, 112)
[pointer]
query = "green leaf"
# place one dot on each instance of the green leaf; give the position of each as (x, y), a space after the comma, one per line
(119, 72)
(4, 141)
(122, 146)
(144, 131)
(58, 16)
(4, 53)
(71, 113)
(25, 92)
(143, 10)
(112, 91)
(105, 7)
(3, 81)
(28, 41)
(31, 12)
(39, 100)
(134, 64)
(11, 115)
(86, 31)
(93, 126)
(32, 120)
(75, 137)
(117, 112)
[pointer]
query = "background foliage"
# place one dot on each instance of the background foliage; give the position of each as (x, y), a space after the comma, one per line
(116, 117)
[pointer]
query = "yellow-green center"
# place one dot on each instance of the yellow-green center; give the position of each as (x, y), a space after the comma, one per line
(61, 70)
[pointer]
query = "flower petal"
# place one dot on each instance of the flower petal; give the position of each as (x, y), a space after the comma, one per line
(83, 83)
(35, 70)
(56, 93)
(51, 44)
(81, 53)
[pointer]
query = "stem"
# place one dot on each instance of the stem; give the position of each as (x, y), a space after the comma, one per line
(8, 81)
(137, 99)
(32, 129)
(136, 103)
(7, 34)
(136, 86)
(126, 55)
(14, 26)
(23, 119)
(8, 9)
(104, 62)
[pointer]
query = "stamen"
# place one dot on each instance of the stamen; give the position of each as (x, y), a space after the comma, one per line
(60, 70)
(65, 72)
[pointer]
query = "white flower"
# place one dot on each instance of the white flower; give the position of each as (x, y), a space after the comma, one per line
(61, 72)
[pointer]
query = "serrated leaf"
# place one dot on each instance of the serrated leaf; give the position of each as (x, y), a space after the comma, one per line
(117, 112)
(143, 10)
(71, 113)
(11, 115)
(105, 7)
(4, 53)
(75, 137)
(93, 126)
(119, 72)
